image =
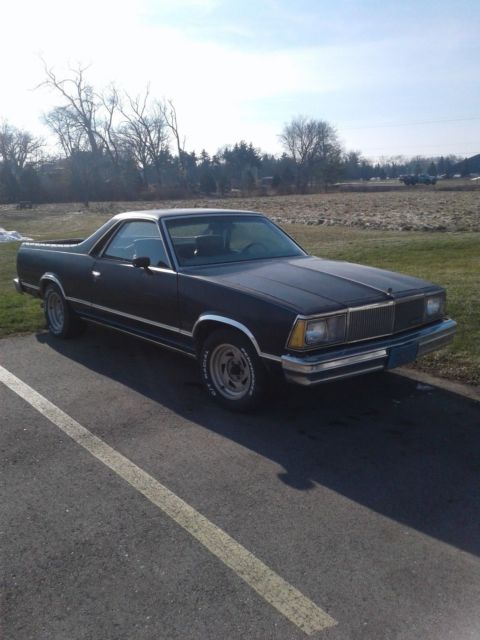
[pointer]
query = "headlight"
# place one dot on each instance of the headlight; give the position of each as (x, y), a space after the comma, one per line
(434, 305)
(318, 332)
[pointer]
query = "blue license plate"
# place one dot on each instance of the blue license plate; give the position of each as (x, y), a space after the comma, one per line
(402, 355)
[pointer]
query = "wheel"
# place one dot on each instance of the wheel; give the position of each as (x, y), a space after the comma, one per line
(231, 370)
(61, 320)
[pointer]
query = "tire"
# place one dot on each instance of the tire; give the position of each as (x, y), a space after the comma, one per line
(233, 374)
(61, 320)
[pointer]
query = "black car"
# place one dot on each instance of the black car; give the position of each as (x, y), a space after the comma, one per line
(233, 290)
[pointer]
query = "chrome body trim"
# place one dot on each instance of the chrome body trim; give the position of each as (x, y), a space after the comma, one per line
(270, 356)
(53, 278)
(374, 305)
(18, 285)
(347, 361)
(130, 316)
(41, 246)
(342, 376)
(237, 325)
(128, 264)
(137, 335)
(433, 342)
(291, 363)
(78, 301)
(161, 269)
(190, 334)
(27, 285)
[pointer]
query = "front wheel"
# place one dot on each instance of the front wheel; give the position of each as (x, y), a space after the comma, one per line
(232, 371)
(61, 320)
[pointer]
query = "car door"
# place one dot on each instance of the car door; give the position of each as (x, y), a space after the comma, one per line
(143, 300)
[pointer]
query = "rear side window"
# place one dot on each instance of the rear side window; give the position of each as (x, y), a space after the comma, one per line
(137, 239)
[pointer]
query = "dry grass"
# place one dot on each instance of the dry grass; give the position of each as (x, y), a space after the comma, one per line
(360, 227)
(402, 210)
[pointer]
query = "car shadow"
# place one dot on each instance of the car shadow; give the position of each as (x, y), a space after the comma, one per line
(404, 450)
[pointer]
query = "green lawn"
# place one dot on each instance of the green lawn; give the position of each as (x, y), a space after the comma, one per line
(449, 259)
(18, 314)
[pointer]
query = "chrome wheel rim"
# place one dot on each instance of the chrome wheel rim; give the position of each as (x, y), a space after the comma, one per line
(230, 372)
(55, 312)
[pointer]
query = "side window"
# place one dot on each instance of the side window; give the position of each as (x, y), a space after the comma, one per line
(135, 239)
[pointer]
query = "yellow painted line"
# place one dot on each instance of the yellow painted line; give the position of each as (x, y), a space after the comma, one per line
(288, 600)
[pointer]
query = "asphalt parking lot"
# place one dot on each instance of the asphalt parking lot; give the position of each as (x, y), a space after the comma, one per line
(358, 500)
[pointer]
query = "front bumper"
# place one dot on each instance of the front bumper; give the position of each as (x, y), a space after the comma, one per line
(353, 360)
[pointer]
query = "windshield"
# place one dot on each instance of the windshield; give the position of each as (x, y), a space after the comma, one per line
(229, 238)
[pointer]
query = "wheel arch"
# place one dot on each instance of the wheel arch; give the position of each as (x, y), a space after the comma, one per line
(209, 322)
(50, 277)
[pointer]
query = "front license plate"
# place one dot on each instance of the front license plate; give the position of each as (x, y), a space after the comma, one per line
(402, 355)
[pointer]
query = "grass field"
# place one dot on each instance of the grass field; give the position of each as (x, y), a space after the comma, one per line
(451, 259)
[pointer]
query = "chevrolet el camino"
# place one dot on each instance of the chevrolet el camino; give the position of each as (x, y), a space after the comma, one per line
(233, 290)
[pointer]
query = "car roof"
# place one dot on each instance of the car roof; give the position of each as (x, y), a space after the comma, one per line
(156, 214)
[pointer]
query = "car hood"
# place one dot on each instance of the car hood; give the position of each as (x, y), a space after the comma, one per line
(309, 284)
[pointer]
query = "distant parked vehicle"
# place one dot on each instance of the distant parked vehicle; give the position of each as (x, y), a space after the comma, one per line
(422, 178)
(24, 204)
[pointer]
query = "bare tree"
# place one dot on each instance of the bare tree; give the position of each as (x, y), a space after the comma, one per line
(82, 105)
(85, 128)
(70, 136)
(144, 132)
(108, 134)
(170, 115)
(17, 147)
(314, 147)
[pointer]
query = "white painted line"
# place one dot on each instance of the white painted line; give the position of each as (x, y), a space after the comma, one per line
(290, 602)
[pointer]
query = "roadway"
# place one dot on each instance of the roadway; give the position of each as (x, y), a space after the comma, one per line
(133, 507)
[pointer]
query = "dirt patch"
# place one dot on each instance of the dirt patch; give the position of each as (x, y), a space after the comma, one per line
(413, 210)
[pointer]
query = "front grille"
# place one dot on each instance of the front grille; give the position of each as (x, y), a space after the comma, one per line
(385, 319)
(409, 313)
(370, 322)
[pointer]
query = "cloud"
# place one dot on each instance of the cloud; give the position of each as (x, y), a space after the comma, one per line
(225, 90)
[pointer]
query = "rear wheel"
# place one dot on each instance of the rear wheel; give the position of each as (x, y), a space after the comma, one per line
(232, 371)
(61, 320)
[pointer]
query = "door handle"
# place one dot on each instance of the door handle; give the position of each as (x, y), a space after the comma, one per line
(96, 274)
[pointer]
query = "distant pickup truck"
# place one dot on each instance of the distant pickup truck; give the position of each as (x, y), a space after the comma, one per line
(423, 178)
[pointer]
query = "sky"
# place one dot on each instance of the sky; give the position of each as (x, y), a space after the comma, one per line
(394, 78)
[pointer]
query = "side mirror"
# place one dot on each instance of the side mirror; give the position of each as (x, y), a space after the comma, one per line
(142, 262)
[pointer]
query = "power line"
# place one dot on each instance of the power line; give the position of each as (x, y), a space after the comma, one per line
(464, 145)
(409, 124)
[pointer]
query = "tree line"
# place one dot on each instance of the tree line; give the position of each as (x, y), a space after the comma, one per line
(115, 146)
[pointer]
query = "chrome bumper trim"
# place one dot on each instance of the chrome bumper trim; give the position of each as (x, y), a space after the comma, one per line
(18, 285)
(436, 341)
(290, 363)
(354, 360)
